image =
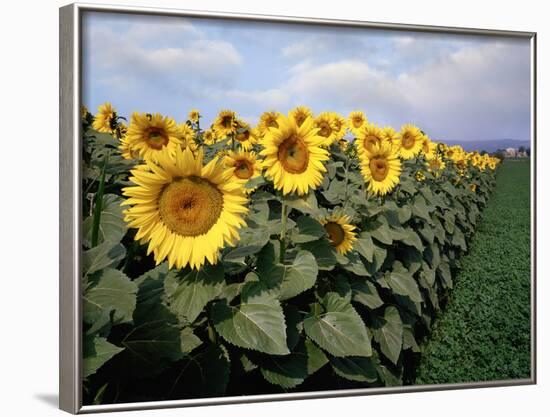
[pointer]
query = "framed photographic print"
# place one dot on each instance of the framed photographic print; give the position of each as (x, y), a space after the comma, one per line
(258, 208)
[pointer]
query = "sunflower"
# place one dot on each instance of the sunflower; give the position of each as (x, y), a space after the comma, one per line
(435, 165)
(84, 112)
(473, 187)
(224, 125)
(125, 151)
(356, 120)
(340, 232)
(381, 169)
(267, 119)
(245, 135)
(186, 211)
(419, 176)
(409, 141)
(208, 137)
(186, 136)
(369, 139)
(293, 156)
(152, 134)
(193, 116)
(300, 114)
(327, 128)
(105, 118)
(244, 165)
(429, 148)
(340, 125)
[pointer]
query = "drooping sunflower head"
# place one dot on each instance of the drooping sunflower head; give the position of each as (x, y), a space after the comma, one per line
(300, 114)
(224, 125)
(294, 156)
(409, 141)
(245, 135)
(435, 165)
(429, 148)
(208, 137)
(340, 232)
(327, 128)
(105, 119)
(244, 165)
(194, 116)
(267, 119)
(185, 210)
(356, 121)
(153, 134)
(381, 169)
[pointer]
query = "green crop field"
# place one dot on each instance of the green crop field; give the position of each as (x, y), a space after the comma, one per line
(484, 332)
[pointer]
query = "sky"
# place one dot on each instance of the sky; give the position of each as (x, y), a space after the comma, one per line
(454, 87)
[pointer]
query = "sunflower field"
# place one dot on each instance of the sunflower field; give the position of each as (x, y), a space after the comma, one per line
(306, 253)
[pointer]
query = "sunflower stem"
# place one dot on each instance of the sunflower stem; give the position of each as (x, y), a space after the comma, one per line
(282, 240)
(346, 182)
(98, 204)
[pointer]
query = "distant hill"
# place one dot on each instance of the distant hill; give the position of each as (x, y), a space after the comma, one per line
(490, 145)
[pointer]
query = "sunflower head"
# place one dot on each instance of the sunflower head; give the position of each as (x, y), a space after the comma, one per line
(153, 134)
(419, 176)
(245, 135)
(429, 148)
(244, 165)
(369, 140)
(294, 156)
(326, 127)
(300, 113)
(105, 119)
(435, 165)
(340, 126)
(409, 141)
(268, 119)
(208, 137)
(356, 121)
(340, 232)
(381, 169)
(224, 125)
(185, 210)
(194, 116)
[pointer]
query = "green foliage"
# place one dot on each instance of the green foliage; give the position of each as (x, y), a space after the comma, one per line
(257, 322)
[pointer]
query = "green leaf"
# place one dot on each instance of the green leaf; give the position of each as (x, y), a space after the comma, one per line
(354, 368)
(112, 226)
(365, 292)
(104, 255)
(286, 371)
(378, 260)
(189, 341)
(337, 328)
(188, 295)
(390, 334)
(355, 264)
(316, 358)
(110, 291)
(420, 209)
(325, 255)
(365, 246)
(96, 352)
(382, 233)
(403, 283)
(306, 204)
(257, 323)
(445, 273)
(409, 342)
(307, 230)
(300, 276)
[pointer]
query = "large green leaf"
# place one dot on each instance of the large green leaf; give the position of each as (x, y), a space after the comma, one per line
(306, 204)
(96, 352)
(112, 226)
(257, 323)
(365, 292)
(365, 246)
(403, 283)
(337, 328)
(354, 368)
(188, 295)
(110, 292)
(300, 276)
(104, 255)
(390, 334)
(307, 230)
(382, 232)
(325, 255)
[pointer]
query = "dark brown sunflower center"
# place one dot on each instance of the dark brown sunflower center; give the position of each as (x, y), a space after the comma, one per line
(370, 143)
(335, 232)
(379, 168)
(357, 122)
(190, 206)
(300, 118)
(293, 155)
(244, 169)
(243, 136)
(157, 137)
(227, 121)
(435, 164)
(324, 129)
(272, 122)
(407, 141)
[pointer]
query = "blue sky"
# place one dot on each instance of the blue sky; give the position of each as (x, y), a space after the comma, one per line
(455, 87)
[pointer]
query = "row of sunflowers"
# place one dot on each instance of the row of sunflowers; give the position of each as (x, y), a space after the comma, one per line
(307, 252)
